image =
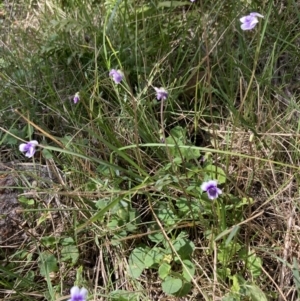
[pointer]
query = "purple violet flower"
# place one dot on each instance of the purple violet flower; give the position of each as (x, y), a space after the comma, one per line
(161, 93)
(76, 97)
(117, 75)
(250, 21)
(211, 188)
(28, 148)
(78, 294)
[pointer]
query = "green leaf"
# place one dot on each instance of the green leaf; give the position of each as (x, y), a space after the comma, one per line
(255, 293)
(116, 239)
(130, 227)
(27, 279)
(190, 153)
(171, 285)
(235, 284)
(47, 154)
(122, 213)
(26, 201)
(243, 202)
(113, 223)
(156, 237)
(67, 241)
(185, 207)
(70, 253)
(178, 137)
(11, 140)
(177, 133)
(184, 247)
(167, 216)
(254, 264)
(214, 171)
(187, 275)
(48, 241)
(47, 263)
(154, 256)
(164, 270)
(226, 252)
(137, 261)
(224, 272)
(252, 261)
(185, 289)
(100, 204)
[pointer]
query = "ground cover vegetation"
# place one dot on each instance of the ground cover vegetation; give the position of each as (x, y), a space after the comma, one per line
(149, 150)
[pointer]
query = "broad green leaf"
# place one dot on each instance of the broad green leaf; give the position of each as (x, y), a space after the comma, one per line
(185, 206)
(67, 241)
(171, 285)
(122, 213)
(244, 202)
(185, 289)
(48, 241)
(164, 270)
(184, 247)
(137, 261)
(70, 253)
(154, 256)
(255, 293)
(187, 275)
(178, 133)
(178, 138)
(113, 223)
(47, 154)
(215, 172)
(190, 153)
(235, 284)
(167, 216)
(252, 261)
(254, 264)
(224, 272)
(101, 203)
(156, 237)
(11, 140)
(47, 263)
(26, 201)
(116, 239)
(130, 227)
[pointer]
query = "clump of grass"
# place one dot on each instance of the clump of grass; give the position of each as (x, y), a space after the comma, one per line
(126, 217)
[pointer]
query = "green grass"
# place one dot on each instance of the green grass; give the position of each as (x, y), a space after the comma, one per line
(122, 213)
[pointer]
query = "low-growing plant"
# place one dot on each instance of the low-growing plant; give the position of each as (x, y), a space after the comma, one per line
(169, 130)
(174, 269)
